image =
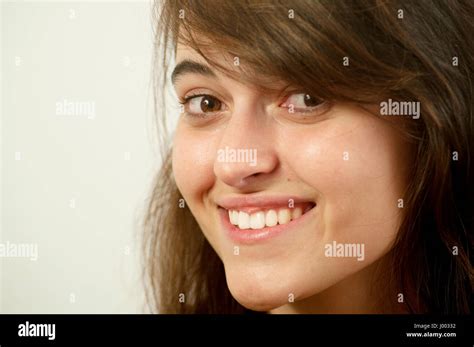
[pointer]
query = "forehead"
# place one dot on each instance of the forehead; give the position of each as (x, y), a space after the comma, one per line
(228, 68)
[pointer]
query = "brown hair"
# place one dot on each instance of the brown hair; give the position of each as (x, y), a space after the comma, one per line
(402, 50)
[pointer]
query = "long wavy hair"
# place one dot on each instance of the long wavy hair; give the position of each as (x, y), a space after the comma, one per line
(404, 50)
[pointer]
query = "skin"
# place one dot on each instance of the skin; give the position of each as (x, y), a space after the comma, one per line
(299, 154)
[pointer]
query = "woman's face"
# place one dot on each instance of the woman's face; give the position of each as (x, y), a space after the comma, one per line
(313, 189)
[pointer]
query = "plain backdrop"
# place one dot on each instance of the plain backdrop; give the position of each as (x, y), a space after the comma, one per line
(74, 182)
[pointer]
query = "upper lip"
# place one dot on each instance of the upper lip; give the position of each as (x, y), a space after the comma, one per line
(236, 202)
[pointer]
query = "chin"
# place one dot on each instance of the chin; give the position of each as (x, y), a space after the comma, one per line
(257, 292)
(257, 301)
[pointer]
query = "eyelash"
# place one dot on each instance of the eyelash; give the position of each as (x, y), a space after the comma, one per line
(185, 100)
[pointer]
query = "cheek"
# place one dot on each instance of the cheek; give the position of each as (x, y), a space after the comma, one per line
(193, 158)
(356, 166)
(192, 162)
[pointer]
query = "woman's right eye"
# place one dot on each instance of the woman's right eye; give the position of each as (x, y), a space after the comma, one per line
(201, 104)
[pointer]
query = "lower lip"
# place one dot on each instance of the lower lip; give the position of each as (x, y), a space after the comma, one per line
(250, 236)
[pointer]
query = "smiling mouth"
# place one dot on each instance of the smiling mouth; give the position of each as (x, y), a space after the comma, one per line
(255, 219)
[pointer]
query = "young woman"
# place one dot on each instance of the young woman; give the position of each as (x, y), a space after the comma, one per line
(322, 158)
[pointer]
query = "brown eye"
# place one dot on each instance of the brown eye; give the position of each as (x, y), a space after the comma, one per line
(302, 102)
(200, 104)
(311, 101)
(210, 104)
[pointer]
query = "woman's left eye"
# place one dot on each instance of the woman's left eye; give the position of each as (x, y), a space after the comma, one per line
(302, 102)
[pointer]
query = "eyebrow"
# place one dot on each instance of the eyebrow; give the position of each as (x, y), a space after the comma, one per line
(189, 66)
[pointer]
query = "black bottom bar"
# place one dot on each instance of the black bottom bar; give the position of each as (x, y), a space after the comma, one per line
(315, 330)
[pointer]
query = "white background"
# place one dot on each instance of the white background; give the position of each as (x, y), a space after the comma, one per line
(78, 190)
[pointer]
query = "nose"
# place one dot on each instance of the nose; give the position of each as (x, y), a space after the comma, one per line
(246, 149)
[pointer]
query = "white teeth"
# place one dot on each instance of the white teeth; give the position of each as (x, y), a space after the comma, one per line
(296, 213)
(271, 218)
(262, 219)
(234, 217)
(244, 220)
(257, 220)
(284, 216)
